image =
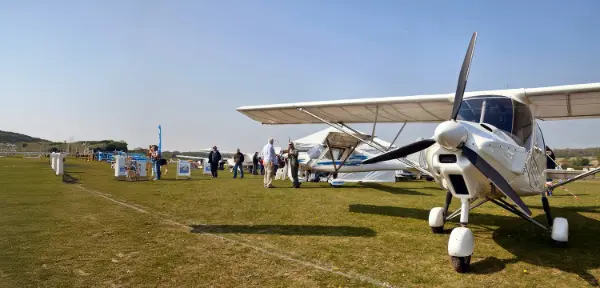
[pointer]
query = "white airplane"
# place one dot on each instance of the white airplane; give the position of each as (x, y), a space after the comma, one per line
(343, 151)
(489, 149)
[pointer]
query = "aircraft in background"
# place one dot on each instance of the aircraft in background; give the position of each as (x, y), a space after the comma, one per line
(335, 151)
(489, 149)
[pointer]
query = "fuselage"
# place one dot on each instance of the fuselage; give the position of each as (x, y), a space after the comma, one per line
(502, 131)
(352, 164)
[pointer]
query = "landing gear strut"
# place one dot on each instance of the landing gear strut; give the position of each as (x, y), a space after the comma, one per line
(437, 215)
(559, 226)
(461, 244)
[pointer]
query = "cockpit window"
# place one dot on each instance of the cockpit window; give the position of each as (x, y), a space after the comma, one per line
(512, 117)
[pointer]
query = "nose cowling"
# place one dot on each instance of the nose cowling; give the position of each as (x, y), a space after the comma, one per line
(450, 135)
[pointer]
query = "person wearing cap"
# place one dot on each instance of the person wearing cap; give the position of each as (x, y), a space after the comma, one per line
(294, 164)
(268, 154)
(214, 158)
(238, 158)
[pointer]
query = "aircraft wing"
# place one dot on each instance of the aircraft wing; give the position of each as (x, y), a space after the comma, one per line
(204, 154)
(424, 108)
(565, 102)
(189, 157)
(547, 103)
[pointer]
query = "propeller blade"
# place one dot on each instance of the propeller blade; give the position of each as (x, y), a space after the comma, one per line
(401, 152)
(462, 78)
(488, 171)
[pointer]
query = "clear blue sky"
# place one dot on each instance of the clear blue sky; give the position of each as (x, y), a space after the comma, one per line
(119, 68)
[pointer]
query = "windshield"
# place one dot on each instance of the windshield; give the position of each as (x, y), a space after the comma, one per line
(512, 117)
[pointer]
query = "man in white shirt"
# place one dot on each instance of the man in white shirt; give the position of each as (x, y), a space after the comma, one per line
(268, 153)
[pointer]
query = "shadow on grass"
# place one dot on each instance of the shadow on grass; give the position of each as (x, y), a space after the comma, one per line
(302, 230)
(67, 178)
(183, 180)
(389, 211)
(490, 265)
(527, 243)
(393, 190)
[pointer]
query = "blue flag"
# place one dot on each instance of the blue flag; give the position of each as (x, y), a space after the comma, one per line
(159, 139)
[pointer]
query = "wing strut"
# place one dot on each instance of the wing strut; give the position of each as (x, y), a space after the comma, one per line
(347, 156)
(335, 168)
(375, 123)
(396, 138)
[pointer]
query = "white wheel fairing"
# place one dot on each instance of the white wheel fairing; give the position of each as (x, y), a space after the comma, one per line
(436, 217)
(560, 230)
(461, 242)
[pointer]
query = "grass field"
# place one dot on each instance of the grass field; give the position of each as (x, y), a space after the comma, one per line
(88, 230)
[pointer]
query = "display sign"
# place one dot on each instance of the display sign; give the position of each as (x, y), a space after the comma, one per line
(184, 169)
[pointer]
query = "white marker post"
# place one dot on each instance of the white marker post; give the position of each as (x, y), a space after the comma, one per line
(119, 166)
(141, 166)
(53, 161)
(60, 165)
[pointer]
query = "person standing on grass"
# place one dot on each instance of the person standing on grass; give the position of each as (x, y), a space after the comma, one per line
(275, 164)
(550, 164)
(255, 164)
(155, 156)
(294, 164)
(268, 153)
(214, 158)
(164, 163)
(238, 158)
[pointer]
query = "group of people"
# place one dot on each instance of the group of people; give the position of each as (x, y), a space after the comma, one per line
(214, 159)
(271, 163)
(268, 161)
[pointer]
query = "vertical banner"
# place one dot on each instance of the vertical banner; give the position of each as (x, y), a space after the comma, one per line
(159, 139)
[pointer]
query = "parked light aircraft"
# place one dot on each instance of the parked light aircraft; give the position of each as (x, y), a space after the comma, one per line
(342, 151)
(489, 149)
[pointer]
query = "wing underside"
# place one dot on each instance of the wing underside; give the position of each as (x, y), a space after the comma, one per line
(428, 108)
(547, 103)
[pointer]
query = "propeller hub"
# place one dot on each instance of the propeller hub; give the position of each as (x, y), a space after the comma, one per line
(450, 135)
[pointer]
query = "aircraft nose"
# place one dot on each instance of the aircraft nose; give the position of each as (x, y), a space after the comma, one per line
(450, 135)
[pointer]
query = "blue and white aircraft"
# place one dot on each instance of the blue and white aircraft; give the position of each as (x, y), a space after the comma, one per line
(335, 151)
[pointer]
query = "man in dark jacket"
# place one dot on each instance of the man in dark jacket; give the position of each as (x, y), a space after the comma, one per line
(294, 164)
(550, 164)
(238, 158)
(255, 164)
(214, 158)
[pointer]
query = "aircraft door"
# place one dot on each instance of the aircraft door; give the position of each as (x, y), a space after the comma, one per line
(536, 162)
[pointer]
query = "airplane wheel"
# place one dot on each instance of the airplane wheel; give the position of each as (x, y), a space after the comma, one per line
(436, 220)
(560, 232)
(461, 264)
(460, 248)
